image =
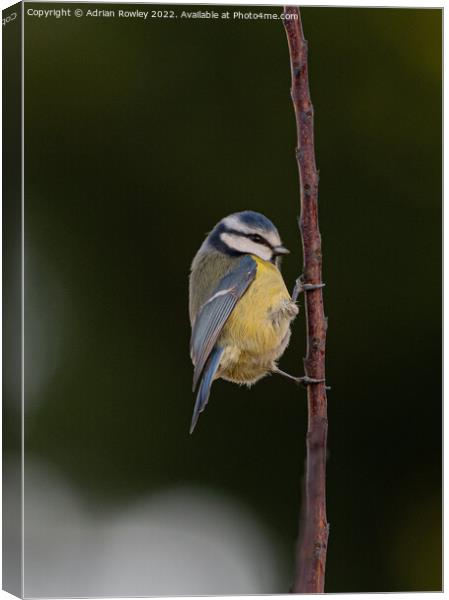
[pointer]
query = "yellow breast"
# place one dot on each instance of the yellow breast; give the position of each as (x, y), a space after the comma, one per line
(258, 329)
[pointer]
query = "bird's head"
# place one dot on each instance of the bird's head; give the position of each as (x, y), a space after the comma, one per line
(247, 232)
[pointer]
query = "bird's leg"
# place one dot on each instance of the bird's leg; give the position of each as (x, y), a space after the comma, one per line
(305, 380)
(300, 287)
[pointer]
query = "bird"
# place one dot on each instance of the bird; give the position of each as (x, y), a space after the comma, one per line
(239, 306)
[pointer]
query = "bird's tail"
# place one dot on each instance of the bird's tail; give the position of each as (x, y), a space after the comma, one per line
(206, 381)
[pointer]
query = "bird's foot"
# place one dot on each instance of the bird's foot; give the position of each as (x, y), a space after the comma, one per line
(305, 380)
(300, 287)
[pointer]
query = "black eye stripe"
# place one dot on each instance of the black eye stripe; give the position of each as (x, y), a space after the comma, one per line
(260, 239)
(255, 237)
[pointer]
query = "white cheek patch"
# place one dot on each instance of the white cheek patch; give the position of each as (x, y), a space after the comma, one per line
(245, 245)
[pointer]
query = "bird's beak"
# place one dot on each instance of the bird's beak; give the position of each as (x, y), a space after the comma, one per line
(278, 250)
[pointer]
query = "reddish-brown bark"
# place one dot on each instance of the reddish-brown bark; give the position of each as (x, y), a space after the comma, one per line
(314, 529)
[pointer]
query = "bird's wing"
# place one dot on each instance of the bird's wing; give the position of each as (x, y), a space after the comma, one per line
(216, 310)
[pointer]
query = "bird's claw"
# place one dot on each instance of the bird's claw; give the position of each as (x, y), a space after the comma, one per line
(300, 287)
(305, 380)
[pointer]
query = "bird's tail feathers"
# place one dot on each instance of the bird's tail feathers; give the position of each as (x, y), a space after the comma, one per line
(206, 382)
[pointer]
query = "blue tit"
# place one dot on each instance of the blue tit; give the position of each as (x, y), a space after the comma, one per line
(240, 309)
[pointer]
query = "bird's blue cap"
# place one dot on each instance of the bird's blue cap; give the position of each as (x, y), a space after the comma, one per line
(255, 219)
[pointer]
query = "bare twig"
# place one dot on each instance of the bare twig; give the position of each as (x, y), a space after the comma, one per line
(314, 529)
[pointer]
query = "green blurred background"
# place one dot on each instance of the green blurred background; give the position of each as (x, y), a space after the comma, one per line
(141, 135)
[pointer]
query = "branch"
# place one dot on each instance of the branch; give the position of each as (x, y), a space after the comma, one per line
(314, 529)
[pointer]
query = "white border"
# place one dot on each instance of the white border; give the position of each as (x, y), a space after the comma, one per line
(385, 4)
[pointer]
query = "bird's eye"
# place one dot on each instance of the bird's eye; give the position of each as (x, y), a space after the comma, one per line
(256, 238)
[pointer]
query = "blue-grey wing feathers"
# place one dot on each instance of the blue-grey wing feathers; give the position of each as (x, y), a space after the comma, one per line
(214, 313)
(208, 325)
(206, 382)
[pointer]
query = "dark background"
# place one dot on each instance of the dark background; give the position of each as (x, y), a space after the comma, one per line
(140, 136)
